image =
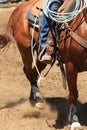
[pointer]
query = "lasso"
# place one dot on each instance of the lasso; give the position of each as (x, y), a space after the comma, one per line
(61, 17)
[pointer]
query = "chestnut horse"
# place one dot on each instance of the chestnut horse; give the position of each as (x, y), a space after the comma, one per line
(73, 54)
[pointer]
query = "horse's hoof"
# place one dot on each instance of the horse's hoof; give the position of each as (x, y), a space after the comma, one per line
(76, 126)
(40, 105)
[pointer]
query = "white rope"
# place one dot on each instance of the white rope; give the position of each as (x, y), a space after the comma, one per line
(61, 17)
(32, 46)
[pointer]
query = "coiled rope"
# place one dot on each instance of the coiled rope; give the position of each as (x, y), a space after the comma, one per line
(61, 17)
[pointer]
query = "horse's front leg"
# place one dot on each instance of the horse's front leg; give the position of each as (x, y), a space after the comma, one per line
(36, 97)
(31, 74)
(71, 72)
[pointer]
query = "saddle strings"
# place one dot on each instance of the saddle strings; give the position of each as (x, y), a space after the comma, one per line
(61, 17)
(32, 46)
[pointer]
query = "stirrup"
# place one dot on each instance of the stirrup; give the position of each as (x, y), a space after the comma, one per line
(44, 57)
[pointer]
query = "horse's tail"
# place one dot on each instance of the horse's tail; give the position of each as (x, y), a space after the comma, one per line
(7, 37)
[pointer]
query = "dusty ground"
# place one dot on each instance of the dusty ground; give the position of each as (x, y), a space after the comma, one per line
(16, 113)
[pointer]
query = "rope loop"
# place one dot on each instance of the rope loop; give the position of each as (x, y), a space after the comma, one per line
(61, 17)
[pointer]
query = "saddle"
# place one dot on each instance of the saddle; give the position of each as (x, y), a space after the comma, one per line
(36, 11)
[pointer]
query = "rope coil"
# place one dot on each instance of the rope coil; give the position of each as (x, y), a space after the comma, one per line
(61, 17)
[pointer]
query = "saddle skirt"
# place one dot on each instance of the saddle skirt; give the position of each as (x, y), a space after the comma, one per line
(35, 12)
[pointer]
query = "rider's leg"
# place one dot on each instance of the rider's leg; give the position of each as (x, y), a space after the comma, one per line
(45, 27)
(44, 30)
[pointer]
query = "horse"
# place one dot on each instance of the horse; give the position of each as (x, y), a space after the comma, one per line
(74, 55)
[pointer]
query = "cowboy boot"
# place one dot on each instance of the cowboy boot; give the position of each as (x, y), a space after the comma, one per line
(44, 57)
(46, 53)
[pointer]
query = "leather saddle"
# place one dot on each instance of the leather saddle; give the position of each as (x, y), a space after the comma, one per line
(36, 11)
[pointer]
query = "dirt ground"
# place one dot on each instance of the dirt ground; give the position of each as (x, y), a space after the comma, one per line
(16, 113)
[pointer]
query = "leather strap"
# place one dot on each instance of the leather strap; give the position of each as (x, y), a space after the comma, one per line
(76, 37)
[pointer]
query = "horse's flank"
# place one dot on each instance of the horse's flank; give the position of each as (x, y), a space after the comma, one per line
(18, 24)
